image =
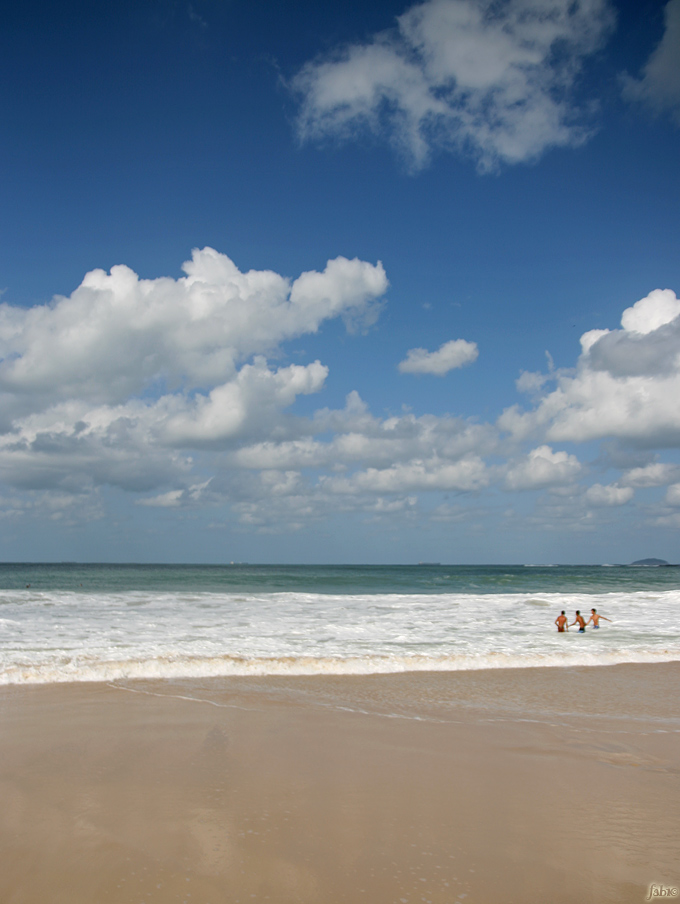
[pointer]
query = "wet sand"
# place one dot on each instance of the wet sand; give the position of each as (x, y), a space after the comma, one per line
(536, 785)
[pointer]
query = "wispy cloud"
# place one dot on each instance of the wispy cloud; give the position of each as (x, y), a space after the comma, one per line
(451, 355)
(659, 85)
(487, 79)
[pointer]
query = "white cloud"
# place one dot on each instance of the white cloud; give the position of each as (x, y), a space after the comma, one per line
(612, 494)
(189, 496)
(626, 384)
(647, 315)
(359, 438)
(648, 344)
(115, 383)
(124, 380)
(659, 86)
(671, 521)
(252, 399)
(186, 417)
(655, 474)
(673, 494)
(453, 354)
(464, 475)
(542, 468)
(489, 79)
(364, 464)
(453, 514)
(74, 448)
(531, 381)
(171, 499)
(283, 501)
(117, 334)
(62, 508)
(142, 444)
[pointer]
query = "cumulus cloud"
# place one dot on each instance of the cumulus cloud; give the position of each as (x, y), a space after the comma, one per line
(451, 355)
(256, 395)
(655, 474)
(162, 388)
(63, 508)
(647, 315)
(364, 464)
(648, 344)
(168, 394)
(285, 513)
(541, 468)
(465, 475)
(117, 382)
(485, 78)
(612, 494)
(659, 85)
(626, 384)
(370, 466)
(118, 334)
(358, 437)
(673, 495)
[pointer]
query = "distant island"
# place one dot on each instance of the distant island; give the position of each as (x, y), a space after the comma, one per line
(651, 562)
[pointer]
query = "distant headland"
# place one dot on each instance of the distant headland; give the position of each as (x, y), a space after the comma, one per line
(650, 562)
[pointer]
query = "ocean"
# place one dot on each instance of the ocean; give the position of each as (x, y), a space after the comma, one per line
(71, 622)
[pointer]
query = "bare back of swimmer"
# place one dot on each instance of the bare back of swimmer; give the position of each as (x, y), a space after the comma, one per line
(580, 621)
(562, 622)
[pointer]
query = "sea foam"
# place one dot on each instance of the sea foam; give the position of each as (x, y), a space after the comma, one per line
(57, 636)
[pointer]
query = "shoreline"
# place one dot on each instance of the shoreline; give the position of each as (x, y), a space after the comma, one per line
(524, 785)
(288, 666)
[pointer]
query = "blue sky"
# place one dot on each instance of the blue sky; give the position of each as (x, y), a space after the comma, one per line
(430, 310)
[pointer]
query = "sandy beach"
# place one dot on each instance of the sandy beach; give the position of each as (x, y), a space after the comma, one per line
(535, 785)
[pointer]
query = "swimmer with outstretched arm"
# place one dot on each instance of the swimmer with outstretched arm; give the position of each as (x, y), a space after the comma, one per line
(595, 618)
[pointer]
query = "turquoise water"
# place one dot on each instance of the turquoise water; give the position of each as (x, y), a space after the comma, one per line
(341, 579)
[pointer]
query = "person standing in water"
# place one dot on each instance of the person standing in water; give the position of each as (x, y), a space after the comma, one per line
(595, 618)
(580, 621)
(561, 622)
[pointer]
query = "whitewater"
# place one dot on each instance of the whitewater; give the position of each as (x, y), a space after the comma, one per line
(107, 623)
